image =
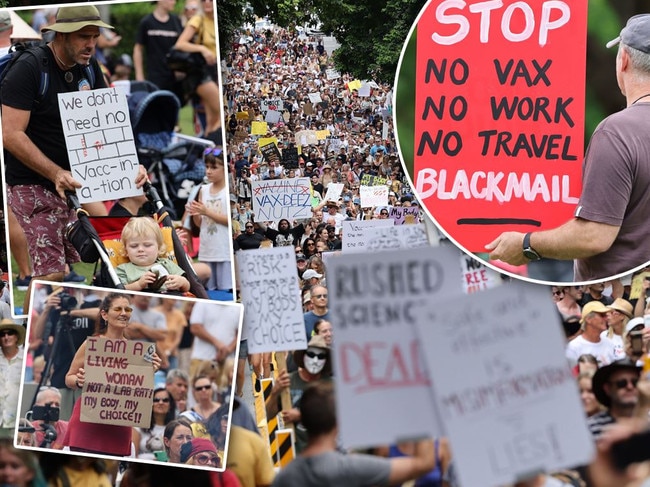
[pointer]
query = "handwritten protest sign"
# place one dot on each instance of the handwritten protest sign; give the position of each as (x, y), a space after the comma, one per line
(274, 200)
(275, 104)
(259, 128)
(511, 408)
(396, 237)
(500, 103)
(373, 196)
(306, 137)
(404, 214)
(118, 387)
(334, 191)
(332, 73)
(273, 116)
(270, 152)
(476, 276)
(315, 98)
(290, 157)
(100, 144)
(374, 300)
(370, 180)
(273, 314)
(355, 233)
(322, 134)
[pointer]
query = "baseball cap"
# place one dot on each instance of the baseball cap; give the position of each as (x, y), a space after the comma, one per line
(593, 307)
(635, 34)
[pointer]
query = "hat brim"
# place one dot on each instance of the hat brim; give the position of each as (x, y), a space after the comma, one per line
(602, 375)
(70, 27)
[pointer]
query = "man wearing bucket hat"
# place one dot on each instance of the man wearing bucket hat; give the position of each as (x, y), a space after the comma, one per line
(37, 168)
(614, 386)
(607, 236)
(593, 323)
(12, 339)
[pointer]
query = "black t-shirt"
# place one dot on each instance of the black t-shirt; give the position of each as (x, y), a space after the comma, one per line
(20, 90)
(291, 237)
(158, 38)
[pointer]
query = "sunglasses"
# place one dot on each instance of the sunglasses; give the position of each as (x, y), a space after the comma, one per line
(383, 213)
(207, 460)
(622, 383)
(557, 293)
(160, 399)
(5, 333)
(318, 296)
(311, 243)
(320, 356)
(120, 309)
(202, 388)
(212, 151)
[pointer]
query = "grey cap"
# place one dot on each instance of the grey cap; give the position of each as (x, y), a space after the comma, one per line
(635, 34)
(5, 20)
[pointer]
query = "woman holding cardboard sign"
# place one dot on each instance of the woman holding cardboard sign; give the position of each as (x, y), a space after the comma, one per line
(115, 314)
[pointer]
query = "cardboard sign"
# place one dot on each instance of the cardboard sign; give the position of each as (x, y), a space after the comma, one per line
(271, 153)
(499, 129)
(241, 116)
(259, 128)
(636, 289)
(118, 388)
(511, 407)
(404, 215)
(374, 300)
(273, 314)
(100, 144)
(334, 191)
(476, 276)
(355, 233)
(276, 199)
(290, 157)
(373, 196)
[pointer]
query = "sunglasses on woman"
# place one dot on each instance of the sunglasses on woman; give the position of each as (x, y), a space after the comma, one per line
(207, 460)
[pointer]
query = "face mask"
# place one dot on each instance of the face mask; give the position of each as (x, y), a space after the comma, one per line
(313, 361)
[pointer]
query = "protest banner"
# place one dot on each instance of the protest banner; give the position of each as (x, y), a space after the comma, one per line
(395, 237)
(334, 191)
(119, 383)
(511, 409)
(500, 108)
(477, 276)
(402, 215)
(273, 314)
(322, 134)
(370, 180)
(374, 299)
(259, 128)
(354, 233)
(290, 157)
(274, 200)
(271, 153)
(100, 144)
(315, 98)
(274, 104)
(364, 90)
(373, 196)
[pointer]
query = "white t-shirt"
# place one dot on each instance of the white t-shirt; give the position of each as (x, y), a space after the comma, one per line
(603, 350)
(617, 340)
(220, 320)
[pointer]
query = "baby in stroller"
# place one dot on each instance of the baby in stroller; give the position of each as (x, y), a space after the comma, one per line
(143, 244)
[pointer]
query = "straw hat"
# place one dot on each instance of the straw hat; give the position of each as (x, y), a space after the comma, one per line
(73, 19)
(8, 324)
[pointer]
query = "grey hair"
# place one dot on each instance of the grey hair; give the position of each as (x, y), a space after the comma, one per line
(176, 374)
(639, 60)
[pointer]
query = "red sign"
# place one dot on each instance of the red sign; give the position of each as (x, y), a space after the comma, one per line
(500, 97)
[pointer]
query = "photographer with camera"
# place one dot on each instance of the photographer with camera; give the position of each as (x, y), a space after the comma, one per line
(50, 430)
(64, 326)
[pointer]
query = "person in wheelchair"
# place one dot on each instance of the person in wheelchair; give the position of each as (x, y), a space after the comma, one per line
(147, 268)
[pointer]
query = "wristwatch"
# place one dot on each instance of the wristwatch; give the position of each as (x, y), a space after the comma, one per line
(529, 252)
